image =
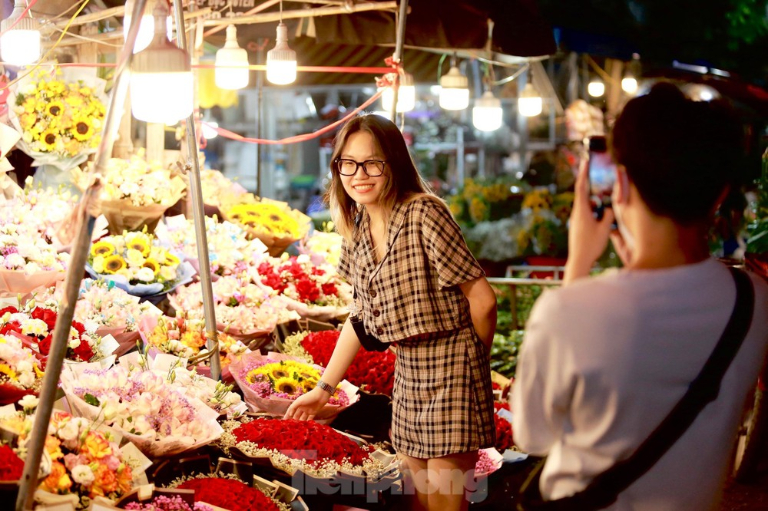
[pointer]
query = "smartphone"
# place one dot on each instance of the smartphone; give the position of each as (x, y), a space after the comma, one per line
(602, 175)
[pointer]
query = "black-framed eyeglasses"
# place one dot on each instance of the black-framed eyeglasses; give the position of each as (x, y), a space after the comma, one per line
(346, 167)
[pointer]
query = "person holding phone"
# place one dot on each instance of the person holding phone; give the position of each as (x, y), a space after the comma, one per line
(606, 358)
(417, 286)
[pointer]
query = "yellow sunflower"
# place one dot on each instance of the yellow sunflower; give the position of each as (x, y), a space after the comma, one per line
(152, 265)
(55, 108)
(287, 386)
(140, 243)
(102, 248)
(256, 375)
(171, 260)
(82, 129)
(278, 371)
(56, 87)
(113, 264)
(48, 138)
(6, 370)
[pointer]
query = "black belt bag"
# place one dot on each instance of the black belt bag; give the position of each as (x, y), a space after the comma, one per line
(368, 341)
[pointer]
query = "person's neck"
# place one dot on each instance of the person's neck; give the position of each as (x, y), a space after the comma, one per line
(661, 243)
(375, 213)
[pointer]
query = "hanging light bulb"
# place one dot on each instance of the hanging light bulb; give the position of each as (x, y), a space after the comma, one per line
(530, 103)
(454, 89)
(596, 88)
(20, 45)
(146, 28)
(406, 95)
(161, 77)
(209, 129)
(231, 63)
(281, 60)
(629, 84)
(487, 113)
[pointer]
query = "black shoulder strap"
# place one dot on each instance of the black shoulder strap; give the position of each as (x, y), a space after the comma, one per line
(605, 488)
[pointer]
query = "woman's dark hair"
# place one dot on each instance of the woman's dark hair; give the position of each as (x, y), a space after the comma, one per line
(402, 182)
(679, 154)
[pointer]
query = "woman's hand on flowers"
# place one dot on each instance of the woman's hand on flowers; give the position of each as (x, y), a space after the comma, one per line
(587, 236)
(306, 407)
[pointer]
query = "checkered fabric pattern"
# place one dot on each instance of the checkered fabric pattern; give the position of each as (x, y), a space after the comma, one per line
(442, 401)
(414, 289)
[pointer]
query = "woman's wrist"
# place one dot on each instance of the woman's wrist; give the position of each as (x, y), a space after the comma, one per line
(330, 389)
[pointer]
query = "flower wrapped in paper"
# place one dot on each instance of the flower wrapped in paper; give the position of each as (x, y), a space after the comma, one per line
(226, 492)
(244, 310)
(218, 190)
(60, 115)
(28, 259)
(316, 292)
(20, 370)
(185, 338)
(229, 250)
(135, 262)
(82, 459)
(141, 404)
(488, 461)
(323, 247)
(271, 383)
(315, 449)
(273, 222)
(111, 309)
(372, 371)
(135, 193)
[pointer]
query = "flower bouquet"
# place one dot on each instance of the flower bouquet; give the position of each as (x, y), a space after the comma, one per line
(271, 383)
(502, 419)
(225, 493)
(185, 338)
(153, 413)
(136, 193)
(315, 449)
(218, 189)
(136, 264)
(59, 114)
(273, 222)
(244, 310)
(20, 370)
(488, 462)
(28, 260)
(316, 292)
(372, 371)
(323, 247)
(229, 251)
(82, 462)
(33, 326)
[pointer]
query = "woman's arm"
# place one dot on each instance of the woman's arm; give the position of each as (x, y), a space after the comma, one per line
(482, 308)
(307, 406)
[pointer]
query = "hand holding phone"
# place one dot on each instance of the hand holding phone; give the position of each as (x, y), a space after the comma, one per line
(602, 175)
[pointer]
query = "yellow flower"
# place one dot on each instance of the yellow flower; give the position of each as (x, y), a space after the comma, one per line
(96, 446)
(29, 105)
(58, 481)
(102, 248)
(85, 91)
(74, 101)
(113, 264)
(56, 87)
(82, 129)
(141, 243)
(48, 138)
(171, 260)
(277, 371)
(55, 108)
(152, 265)
(53, 447)
(27, 121)
(6, 370)
(287, 386)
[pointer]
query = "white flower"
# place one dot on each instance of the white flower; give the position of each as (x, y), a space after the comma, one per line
(168, 273)
(145, 275)
(83, 475)
(14, 261)
(98, 264)
(74, 342)
(29, 402)
(36, 327)
(69, 431)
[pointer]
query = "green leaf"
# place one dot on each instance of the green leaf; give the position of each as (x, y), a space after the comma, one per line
(91, 400)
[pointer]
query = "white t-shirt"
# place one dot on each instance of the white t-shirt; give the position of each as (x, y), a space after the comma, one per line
(605, 359)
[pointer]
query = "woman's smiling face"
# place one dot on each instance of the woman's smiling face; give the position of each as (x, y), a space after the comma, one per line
(362, 188)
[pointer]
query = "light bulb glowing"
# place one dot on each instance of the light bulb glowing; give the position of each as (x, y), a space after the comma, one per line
(406, 99)
(146, 28)
(231, 63)
(454, 90)
(281, 60)
(209, 129)
(530, 103)
(487, 113)
(629, 85)
(596, 88)
(20, 40)
(161, 97)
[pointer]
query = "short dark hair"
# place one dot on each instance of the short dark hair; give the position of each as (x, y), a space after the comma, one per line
(680, 154)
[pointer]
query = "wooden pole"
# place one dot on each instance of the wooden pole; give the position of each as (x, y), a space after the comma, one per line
(399, 42)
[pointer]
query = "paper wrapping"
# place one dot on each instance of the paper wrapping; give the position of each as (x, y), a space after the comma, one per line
(276, 245)
(278, 406)
(15, 282)
(316, 312)
(184, 274)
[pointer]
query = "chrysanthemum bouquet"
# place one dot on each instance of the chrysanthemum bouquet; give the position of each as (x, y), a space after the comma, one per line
(137, 264)
(273, 222)
(59, 116)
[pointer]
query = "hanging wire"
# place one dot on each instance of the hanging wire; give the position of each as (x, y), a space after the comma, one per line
(514, 75)
(281, 11)
(440, 67)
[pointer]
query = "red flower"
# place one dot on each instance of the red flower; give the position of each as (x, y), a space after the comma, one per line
(329, 289)
(308, 290)
(229, 494)
(10, 308)
(503, 433)
(317, 271)
(46, 315)
(79, 327)
(11, 326)
(84, 352)
(45, 345)
(11, 466)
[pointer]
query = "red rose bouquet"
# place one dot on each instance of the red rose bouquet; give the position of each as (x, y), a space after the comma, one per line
(372, 371)
(230, 494)
(504, 439)
(20, 370)
(316, 292)
(11, 466)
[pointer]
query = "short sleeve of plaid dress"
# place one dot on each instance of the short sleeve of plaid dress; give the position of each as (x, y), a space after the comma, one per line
(442, 398)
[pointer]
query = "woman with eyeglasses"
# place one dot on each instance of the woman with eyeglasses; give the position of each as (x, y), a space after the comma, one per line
(419, 289)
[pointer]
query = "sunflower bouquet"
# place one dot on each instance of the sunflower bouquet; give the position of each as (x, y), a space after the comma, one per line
(271, 383)
(59, 114)
(273, 222)
(136, 264)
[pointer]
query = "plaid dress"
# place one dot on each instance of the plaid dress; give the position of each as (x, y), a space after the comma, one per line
(442, 399)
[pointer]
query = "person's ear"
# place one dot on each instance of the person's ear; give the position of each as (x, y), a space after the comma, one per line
(622, 185)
